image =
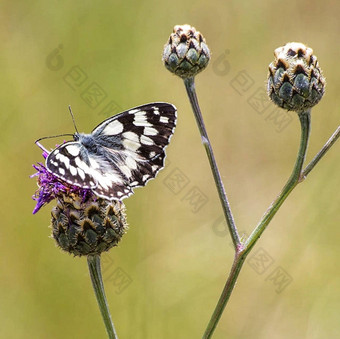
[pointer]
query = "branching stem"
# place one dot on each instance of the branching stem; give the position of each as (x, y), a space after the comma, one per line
(243, 251)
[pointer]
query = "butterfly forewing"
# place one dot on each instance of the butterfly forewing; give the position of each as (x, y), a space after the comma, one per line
(123, 152)
(69, 163)
(145, 129)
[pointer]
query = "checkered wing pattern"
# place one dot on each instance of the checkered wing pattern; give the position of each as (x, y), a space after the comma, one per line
(123, 152)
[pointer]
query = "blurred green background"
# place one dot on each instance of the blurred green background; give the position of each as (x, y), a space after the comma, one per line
(164, 279)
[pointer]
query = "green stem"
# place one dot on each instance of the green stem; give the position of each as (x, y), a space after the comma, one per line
(243, 250)
(322, 152)
(224, 298)
(290, 185)
(97, 283)
(190, 87)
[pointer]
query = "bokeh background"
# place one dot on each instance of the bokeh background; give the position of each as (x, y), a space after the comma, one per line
(164, 279)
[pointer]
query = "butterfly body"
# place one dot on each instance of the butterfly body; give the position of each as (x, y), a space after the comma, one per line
(123, 152)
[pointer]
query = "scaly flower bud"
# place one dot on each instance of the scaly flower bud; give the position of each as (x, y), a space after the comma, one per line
(87, 227)
(186, 53)
(295, 80)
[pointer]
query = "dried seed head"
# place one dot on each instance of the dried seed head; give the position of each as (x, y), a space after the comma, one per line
(87, 227)
(295, 80)
(186, 53)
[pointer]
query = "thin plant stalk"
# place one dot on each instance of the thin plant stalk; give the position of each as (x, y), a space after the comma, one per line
(225, 295)
(321, 153)
(97, 283)
(243, 251)
(191, 91)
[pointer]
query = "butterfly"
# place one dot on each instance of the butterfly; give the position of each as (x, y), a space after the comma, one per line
(123, 152)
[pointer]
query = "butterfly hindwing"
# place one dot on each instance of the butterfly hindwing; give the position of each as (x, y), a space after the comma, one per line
(123, 152)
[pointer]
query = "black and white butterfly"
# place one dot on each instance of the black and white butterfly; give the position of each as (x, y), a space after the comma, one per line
(123, 152)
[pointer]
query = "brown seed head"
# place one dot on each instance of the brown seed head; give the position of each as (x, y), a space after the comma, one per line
(87, 227)
(295, 80)
(186, 53)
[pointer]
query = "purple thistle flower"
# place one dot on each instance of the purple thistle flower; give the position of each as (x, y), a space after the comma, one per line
(50, 187)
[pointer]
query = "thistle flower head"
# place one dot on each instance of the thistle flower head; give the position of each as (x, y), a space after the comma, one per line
(295, 80)
(82, 223)
(186, 53)
(50, 187)
(87, 227)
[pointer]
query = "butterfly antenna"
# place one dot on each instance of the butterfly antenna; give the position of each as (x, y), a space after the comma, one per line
(49, 137)
(74, 122)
